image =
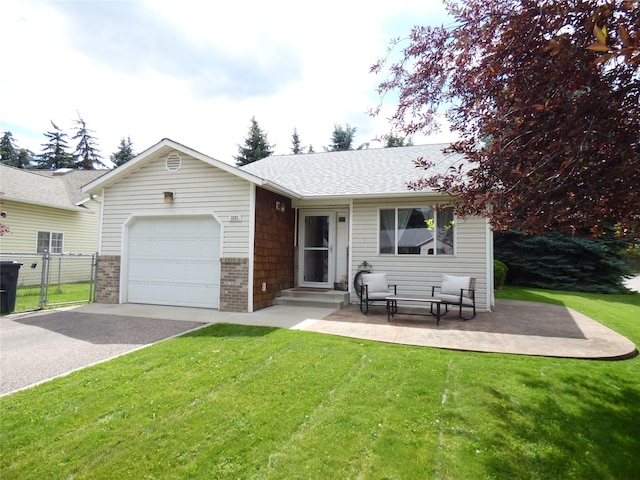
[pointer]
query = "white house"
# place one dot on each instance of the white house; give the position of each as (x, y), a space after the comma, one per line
(46, 209)
(181, 228)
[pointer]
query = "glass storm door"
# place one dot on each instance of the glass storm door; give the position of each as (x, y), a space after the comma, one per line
(316, 253)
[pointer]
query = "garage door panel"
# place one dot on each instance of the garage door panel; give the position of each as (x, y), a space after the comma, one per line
(180, 295)
(174, 271)
(174, 261)
(203, 248)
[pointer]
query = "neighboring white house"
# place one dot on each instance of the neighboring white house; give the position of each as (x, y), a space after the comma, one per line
(46, 209)
(181, 228)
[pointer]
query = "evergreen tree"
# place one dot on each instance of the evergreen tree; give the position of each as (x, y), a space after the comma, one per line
(562, 262)
(55, 153)
(25, 158)
(295, 143)
(87, 153)
(256, 146)
(8, 150)
(342, 138)
(124, 153)
(13, 156)
(397, 141)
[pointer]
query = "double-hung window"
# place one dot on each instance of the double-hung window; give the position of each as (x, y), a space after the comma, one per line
(49, 241)
(416, 231)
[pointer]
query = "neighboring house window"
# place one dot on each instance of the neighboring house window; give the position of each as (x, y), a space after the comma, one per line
(49, 241)
(416, 231)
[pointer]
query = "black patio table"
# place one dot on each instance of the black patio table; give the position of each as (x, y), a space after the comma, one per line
(392, 306)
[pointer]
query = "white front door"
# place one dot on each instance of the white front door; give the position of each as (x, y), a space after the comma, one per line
(317, 260)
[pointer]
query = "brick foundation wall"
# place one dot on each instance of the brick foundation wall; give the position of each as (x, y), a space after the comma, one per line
(234, 284)
(108, 279)
(273, 250)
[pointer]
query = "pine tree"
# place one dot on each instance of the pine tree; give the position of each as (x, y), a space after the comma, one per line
(87, 153)
(8, 150)
(295, 143)
(13, 156)
(256, 146)
(342, 138)
(25, 158)
(55, 153)
(124, 153)
(397, 141)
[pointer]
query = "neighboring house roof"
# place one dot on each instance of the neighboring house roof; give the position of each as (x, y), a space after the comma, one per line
(60, 189)
(74, 180)
(409, 238)
(374, 172)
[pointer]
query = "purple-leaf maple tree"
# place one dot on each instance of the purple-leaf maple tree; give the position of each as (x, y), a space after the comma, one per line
(549, 123)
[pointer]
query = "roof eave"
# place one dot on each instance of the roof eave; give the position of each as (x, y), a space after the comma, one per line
(408, 193)
(72, 208)
(279, 189)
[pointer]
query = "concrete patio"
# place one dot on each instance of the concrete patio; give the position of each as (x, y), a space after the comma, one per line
(514, 327)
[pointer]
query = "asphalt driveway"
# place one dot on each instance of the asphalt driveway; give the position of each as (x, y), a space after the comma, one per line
(40, 346)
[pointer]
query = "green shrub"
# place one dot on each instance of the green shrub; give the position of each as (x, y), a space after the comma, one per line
(499, 274)
(561, 262)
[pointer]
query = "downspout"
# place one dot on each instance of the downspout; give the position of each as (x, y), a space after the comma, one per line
(100, 223)
(252, 242)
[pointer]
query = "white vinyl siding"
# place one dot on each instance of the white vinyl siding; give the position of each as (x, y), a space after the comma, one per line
(415, 274)
(199, 188)
(79, 228)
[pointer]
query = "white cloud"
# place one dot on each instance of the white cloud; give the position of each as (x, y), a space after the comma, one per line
(196, 72)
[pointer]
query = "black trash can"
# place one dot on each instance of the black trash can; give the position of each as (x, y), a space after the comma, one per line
(8, 285)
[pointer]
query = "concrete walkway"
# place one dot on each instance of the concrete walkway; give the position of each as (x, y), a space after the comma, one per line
(633, 283)
(39, 346)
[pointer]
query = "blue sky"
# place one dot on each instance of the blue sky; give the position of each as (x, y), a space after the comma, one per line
(196, 72)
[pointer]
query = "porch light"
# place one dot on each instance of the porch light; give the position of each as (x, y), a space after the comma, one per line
(280, 207)
(168, 197)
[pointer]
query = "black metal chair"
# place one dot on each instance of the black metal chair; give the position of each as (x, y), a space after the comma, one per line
(375, 288)
(457, 290)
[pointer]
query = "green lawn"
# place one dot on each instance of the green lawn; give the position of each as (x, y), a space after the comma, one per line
(243, 402)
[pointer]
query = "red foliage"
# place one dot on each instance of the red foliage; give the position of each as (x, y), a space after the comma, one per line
(550, 129)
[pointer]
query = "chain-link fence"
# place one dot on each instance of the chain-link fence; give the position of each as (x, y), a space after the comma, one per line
(46, 280)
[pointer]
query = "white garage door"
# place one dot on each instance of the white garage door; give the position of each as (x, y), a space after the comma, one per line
(174, 261)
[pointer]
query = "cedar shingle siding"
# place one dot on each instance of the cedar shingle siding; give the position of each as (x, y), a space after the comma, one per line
(273, 250)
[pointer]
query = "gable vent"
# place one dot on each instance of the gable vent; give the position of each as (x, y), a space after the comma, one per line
(174, 162)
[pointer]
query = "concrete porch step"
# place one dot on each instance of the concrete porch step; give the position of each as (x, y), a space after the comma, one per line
(313, 298)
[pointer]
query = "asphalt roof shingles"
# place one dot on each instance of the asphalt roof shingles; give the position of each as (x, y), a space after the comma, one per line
(383, 171)
(43, 187)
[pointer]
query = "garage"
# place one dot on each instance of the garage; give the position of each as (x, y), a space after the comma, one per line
(174, 261)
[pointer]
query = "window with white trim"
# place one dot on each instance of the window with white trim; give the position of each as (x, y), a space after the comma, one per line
(416, 231)
(49, 241)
